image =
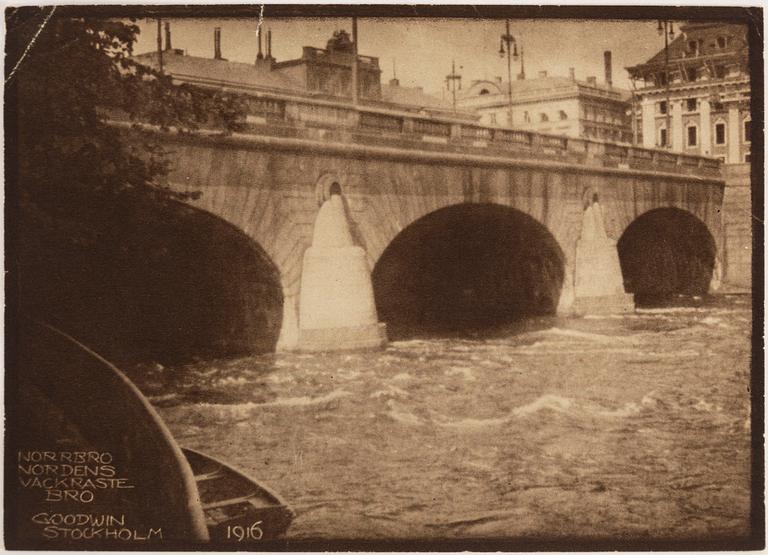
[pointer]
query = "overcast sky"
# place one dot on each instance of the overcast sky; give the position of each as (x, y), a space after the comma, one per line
(423, 49)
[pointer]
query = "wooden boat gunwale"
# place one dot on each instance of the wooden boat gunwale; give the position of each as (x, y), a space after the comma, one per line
(274, 496)
(132, 392)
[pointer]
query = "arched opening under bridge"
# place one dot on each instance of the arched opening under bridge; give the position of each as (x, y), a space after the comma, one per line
(467, 267)
(164, 282)
(664, 254)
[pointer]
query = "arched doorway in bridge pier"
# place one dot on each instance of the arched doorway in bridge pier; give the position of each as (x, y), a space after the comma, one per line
(467, 267)
(664, 253)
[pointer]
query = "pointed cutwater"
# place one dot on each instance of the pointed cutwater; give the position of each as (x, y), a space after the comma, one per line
(337, 310)
(598, 284)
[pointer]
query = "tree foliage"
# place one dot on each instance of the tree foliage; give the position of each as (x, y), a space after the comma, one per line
(88, 201)
(75, 72)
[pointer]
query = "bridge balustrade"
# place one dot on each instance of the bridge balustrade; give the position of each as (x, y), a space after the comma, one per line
(615, 155)
(433, 128)
(370, 120)
(520, 138)
(550, 144)
(666, 160)
(476, 133)
(270, 108)
(297, 117)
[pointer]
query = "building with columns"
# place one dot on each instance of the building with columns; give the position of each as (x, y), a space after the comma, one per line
(695, 98)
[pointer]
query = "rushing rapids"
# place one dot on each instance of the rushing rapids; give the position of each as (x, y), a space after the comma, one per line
(633, 425)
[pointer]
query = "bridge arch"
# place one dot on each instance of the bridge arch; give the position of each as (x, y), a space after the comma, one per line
(467, 266)
(666, 252)
(231, 287)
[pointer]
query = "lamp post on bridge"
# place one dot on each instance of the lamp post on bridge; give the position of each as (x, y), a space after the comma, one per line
(511, 52)
(450, 82)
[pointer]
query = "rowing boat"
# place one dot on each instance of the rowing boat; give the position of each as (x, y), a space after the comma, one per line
(236, 507)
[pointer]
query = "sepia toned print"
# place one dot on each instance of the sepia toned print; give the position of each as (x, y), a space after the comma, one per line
(312, 278)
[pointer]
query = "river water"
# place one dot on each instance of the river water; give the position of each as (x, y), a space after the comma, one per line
(627, 426)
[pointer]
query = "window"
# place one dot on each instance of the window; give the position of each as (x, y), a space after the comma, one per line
(720, 72)
(748, 131)
(527, 117)
(720, 133)
(748, 157)
(543, 117)
(692, 132)
(563, 115)
(692, 73)
(662, 137)
(662, 79)
(690, 104)
(721, 42)
(694, 47)
(493, 117)
(662, 107)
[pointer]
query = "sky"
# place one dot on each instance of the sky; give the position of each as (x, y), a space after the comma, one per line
(421, 50)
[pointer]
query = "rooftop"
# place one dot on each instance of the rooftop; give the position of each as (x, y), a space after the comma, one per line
(712, 39)
(211, 70)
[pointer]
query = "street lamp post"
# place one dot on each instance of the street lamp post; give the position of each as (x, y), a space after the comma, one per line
(666, 28)
(511, 43)
(451, 80)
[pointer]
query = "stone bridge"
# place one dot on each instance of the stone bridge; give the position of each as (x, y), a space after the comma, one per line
(460, 223)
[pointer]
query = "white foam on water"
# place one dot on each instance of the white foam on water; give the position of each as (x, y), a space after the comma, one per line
(553, 350)
(545, 402)
(654, 355)
(229, 380)
(469, 424)
(589, 336)
(629, 409)
(279, 378)
(669, 310)
(402, 376)
(244, 408)
(710, 321)
(389, 391)
(161, 398)
(462, 371)
(403, 416)
(304, 401)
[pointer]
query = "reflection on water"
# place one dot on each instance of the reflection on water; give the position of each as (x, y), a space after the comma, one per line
(635, 425)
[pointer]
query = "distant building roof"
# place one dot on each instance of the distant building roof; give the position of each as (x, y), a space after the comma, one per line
(706, 36)
(543, 84)
(219, 72)
(413, 96)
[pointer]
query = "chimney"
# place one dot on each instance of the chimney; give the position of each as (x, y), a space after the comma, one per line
(572, 73)
(259, 56)
(542, 74)
(269, 45)
(592, 80)
(217, 43)
(168, 36)
(608, 73)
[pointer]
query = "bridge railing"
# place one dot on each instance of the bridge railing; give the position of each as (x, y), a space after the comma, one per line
(297, 117)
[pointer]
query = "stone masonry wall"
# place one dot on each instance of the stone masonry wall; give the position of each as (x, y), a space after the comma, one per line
(737, 226)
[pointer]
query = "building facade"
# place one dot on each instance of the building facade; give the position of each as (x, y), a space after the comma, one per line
(556, 105)
(695, 98)
(321, 77)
